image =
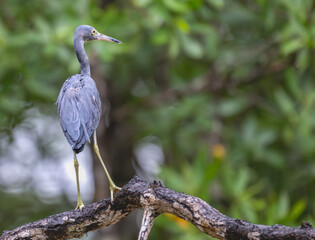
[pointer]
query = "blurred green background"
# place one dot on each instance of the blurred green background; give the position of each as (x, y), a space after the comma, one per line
(215, 98)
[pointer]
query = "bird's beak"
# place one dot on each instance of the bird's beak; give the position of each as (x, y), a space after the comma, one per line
(103, 37)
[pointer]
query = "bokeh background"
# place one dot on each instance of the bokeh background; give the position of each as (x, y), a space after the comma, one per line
(215, 98)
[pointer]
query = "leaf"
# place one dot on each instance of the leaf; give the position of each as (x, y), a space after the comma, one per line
(284, 102)
(174, 47)
(230, 107)
(292, 82)
(240, 181)
(161, 37)
(297, 209)
(291, 46)
(191, 47)
(218, 4)
(282, 206)
(176, 5)
(303, 60)
(182, 25)
(142, 3)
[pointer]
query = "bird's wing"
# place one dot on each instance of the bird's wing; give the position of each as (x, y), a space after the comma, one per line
(89, 106)
(79, 109)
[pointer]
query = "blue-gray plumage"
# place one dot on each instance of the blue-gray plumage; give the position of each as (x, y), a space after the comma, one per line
(79, 104)
(79, 108)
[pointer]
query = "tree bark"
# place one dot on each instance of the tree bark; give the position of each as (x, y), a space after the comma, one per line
(155, 199)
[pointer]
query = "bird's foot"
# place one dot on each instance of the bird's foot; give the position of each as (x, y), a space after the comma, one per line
(80, 205)
(113, 189)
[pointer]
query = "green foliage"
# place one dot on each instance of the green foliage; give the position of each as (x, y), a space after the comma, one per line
(226, 86)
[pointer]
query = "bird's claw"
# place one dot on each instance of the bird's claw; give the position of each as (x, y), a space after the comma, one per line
(79, 206)
(113, 189)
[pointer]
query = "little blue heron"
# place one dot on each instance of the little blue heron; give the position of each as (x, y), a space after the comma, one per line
(79, 104)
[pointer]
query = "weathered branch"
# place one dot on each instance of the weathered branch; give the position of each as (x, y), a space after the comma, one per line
(147, 222)
(154, 199)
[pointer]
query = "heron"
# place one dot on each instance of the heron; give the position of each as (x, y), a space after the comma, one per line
(79, 105)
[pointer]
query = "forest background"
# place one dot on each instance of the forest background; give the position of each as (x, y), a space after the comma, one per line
(215, 98)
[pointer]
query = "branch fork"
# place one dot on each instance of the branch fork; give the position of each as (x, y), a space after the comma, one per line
(155, 199)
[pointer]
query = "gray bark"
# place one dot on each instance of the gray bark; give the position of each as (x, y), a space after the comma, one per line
(154, 199)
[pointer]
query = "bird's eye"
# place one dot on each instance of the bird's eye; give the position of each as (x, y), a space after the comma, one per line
(93, 32)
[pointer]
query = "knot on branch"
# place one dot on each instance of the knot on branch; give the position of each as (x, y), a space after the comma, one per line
(156, 184)
(306, 225)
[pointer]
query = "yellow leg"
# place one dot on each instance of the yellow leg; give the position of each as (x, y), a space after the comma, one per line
(113, 188)
(80, 204)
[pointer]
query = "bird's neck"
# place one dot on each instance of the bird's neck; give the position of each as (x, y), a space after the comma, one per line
(81, 55)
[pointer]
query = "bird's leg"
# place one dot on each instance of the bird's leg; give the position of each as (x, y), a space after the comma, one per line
(113, 188)
(80, 204)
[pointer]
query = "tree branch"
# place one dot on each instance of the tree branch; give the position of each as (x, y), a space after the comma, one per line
(154, 199)
(147, 222)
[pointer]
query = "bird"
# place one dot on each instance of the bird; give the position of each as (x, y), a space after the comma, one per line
(79, 105)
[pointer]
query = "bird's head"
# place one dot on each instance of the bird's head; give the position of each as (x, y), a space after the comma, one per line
(88, 33)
